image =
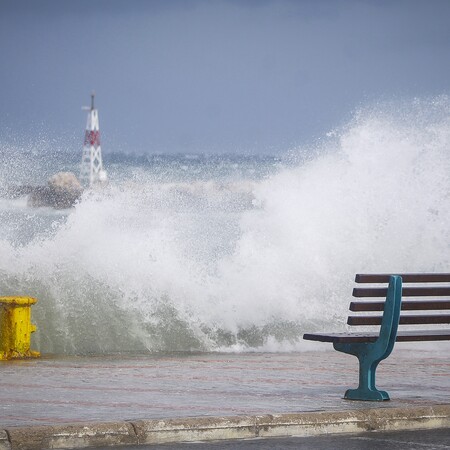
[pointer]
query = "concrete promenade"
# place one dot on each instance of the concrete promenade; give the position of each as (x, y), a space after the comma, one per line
(74, 402)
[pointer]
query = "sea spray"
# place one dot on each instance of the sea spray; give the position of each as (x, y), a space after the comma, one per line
(241, 262)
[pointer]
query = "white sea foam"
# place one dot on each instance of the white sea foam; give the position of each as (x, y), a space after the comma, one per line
(242, 264)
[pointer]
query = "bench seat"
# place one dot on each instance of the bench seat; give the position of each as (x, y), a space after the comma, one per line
(402, 336)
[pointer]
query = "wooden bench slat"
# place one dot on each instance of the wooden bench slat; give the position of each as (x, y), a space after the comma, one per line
(425, 335)
(406, 278)
(341, 337)
(406, 292)
(404, 320)
(402, 336)
(422, 305)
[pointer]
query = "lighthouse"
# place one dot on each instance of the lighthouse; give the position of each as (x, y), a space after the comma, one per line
(92, 172)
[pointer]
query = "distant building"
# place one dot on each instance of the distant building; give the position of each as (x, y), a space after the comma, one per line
(92, 171)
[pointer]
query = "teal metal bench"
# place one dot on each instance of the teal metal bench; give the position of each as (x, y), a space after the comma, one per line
(372, 347)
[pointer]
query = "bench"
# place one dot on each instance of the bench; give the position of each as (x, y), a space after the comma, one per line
(372, 347)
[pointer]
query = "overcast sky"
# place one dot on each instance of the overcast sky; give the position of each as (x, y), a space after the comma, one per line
(212, 76)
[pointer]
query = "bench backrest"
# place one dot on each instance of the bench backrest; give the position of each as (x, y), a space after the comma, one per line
(423, 295)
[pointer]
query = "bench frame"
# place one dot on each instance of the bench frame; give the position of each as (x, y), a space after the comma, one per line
(370, 354)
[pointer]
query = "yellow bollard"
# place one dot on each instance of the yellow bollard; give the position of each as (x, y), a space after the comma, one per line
(16, 327)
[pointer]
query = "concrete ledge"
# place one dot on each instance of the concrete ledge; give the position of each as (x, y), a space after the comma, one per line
(216, 428)
(4, 441)
(195, 429)
(71, 436)
(357, 421)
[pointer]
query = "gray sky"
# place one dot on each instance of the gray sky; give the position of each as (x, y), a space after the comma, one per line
(212, 76)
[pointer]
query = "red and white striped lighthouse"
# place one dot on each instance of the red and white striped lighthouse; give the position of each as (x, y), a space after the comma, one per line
(91, 162)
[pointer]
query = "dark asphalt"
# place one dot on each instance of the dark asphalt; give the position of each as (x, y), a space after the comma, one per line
(394, 440)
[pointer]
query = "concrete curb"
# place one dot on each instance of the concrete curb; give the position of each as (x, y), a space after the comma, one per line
(216, 428)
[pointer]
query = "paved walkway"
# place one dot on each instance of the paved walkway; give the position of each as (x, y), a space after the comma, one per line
(55, 390)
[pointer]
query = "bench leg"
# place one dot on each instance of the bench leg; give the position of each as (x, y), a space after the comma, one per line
(366, 389)
(370, 354)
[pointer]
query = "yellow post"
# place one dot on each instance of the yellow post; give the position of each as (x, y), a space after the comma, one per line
(16, 327)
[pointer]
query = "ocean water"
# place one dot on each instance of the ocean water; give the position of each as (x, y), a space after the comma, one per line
(228, 253)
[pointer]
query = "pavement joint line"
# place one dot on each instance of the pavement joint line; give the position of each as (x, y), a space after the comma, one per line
(207, 428)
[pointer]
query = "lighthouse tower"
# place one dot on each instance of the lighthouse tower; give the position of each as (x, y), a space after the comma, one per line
(92, 172)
